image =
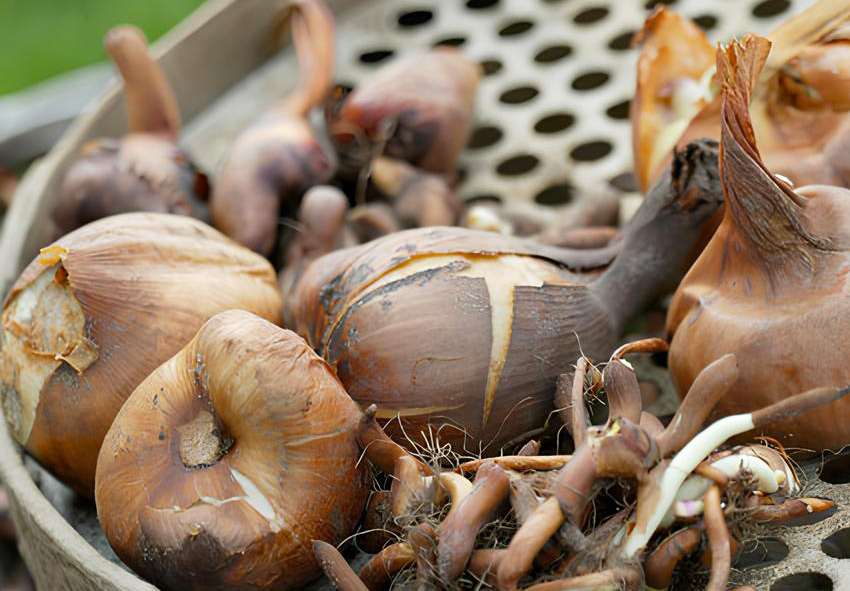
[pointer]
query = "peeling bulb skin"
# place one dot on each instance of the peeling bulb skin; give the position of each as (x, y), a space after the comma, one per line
(770, 286)
(99, 310)
(418, 108)
(286, 470)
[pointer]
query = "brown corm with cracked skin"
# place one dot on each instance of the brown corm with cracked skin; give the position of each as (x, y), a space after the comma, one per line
(99, 310)
(235, 506)
(467, 331)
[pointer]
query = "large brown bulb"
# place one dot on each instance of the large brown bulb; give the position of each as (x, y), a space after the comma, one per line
(771, 286)
(99, 310)
(229, 460)
(465, 332)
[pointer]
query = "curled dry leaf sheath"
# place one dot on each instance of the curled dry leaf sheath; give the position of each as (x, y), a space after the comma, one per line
(770, 285)
(481, 369)
(227, 458)
(143, 171)
(673, 84)
(278, 156)
(800, 104)
(99, 310)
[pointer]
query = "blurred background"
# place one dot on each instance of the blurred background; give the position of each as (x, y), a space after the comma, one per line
(42, 38)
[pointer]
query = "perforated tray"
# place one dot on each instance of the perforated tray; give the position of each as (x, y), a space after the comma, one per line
(552, 127)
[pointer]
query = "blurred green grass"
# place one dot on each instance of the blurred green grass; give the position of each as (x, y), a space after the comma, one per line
(42, 38)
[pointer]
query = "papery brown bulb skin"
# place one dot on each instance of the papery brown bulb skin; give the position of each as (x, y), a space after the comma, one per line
(231, 506)
(771, 285)
(270, 166)
(421, 105)
(101, 308)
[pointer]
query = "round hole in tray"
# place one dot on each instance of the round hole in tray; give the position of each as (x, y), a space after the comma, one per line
(591, 151)
(760, 553)
(619, 110)
(590, 80)
(554, 123)
(518, 95)
(517, 165)
(803, 582)
(516, 28)
(484, 198)
(771, 8)
(836, 470)
(480, 4)
(553, 53)
(706, 21)
(456, 41)
(650, 4)
(590, 15)
(375, 56)
(622, 42)
(490, 67)
(414, 18)
(838, 544)
(625, 182)
(484, 137)
(559, 194)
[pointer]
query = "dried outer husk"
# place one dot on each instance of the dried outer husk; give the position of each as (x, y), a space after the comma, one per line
(98, 310)
(143, 171)
(278, 156)
(417, 108)
(799, 105)
(280, 465)
(467, 331)
(674, 73)
(770, 286)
